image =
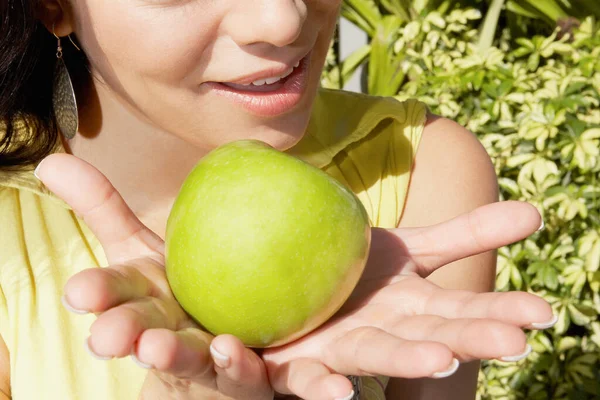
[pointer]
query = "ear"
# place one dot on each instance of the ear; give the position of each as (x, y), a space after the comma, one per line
(57, 16)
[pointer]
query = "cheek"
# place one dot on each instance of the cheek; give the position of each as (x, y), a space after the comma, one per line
(164, 43)
(330, 8)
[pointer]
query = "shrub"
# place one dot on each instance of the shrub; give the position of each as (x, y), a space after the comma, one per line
(534, 102)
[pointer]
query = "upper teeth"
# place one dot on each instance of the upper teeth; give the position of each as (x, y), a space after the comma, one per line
(270, 81)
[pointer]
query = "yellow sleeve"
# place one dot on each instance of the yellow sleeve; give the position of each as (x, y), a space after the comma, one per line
(378, 167)
(42, 244)
(6, 195)
(3, 316)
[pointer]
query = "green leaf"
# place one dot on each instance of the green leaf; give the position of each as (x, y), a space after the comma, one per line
(436, 19)
(411, 30)
(390, 74)
(580, 315)
(522, 9)
(535, 267)
(519, 159)
(594, 281)
(549, 8)
(563, 321)
(526, 43)
(589, 359)
(566, 343)
(516, 278)
(578, 284)
(592, 254)
(400, 8)
(548, 275)
(582, 369)
(503, 278)
(488, 29)
(533, 62)
(351, 63)
(509, 185)
(363, 13)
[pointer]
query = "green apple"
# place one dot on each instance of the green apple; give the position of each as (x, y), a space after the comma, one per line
(262, 245)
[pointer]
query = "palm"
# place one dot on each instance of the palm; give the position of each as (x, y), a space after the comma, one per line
(137, 314)
(394, 313)
(388, 270)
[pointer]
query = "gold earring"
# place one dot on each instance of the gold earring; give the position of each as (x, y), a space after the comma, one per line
(63, 95)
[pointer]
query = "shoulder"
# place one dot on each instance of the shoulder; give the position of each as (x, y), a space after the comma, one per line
(32, 225)
(452, 146)
(37, 235)
(452, 174)
(12, 236)
(459, 155)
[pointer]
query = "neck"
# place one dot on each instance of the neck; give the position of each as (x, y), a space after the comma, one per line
(147, 166)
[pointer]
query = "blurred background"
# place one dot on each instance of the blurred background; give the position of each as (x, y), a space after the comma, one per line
(524, 76)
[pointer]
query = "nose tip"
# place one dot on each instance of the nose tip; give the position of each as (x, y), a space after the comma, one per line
(283, 26)
(277, 22)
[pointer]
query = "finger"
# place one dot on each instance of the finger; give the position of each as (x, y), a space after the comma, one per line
(413, 295)
(184, 354)
(373, 351)
(469, 339)
(309, 379)
(486, 228)
(99, 289)
(240, 372)
(114, 332)
(522, 309)
(93, 198)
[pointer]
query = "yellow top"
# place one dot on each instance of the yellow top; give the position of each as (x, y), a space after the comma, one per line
(368, 143)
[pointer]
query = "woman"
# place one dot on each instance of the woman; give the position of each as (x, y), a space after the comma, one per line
(171, 80)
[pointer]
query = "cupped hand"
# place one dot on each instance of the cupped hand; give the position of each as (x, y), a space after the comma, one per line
(398, 324)
(395, 323)
(137, 315)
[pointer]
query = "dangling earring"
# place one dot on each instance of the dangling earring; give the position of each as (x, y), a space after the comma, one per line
(63, 96)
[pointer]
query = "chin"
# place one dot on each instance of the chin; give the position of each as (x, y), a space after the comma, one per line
(284, 132)
(281, 141)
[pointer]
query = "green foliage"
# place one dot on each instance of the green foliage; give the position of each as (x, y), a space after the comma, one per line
(552, 11)
(534, 102)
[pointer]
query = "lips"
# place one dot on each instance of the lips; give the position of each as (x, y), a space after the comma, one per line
(264, 85)
(271, 75)
(263, 99)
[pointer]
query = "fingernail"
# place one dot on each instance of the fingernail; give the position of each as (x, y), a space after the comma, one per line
(518, 357)
(220, 359)
(70, 308)
(36, 170)
(450, 371)
(89, 350)
(138, 362)
(349, 397)
(541, 226)
(545, 325)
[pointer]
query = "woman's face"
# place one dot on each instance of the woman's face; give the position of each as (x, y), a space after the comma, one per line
(194, 68)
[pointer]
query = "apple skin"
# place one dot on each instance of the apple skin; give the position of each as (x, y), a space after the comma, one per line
(262, 245)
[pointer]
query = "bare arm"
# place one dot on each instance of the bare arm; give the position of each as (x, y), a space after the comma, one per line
(4, 371)
(452, 175)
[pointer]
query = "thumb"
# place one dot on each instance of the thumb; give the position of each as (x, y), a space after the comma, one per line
(241, 373)
(486, 228)
(94, 199)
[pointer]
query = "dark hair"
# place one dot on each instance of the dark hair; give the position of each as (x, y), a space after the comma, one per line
(28, 130)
